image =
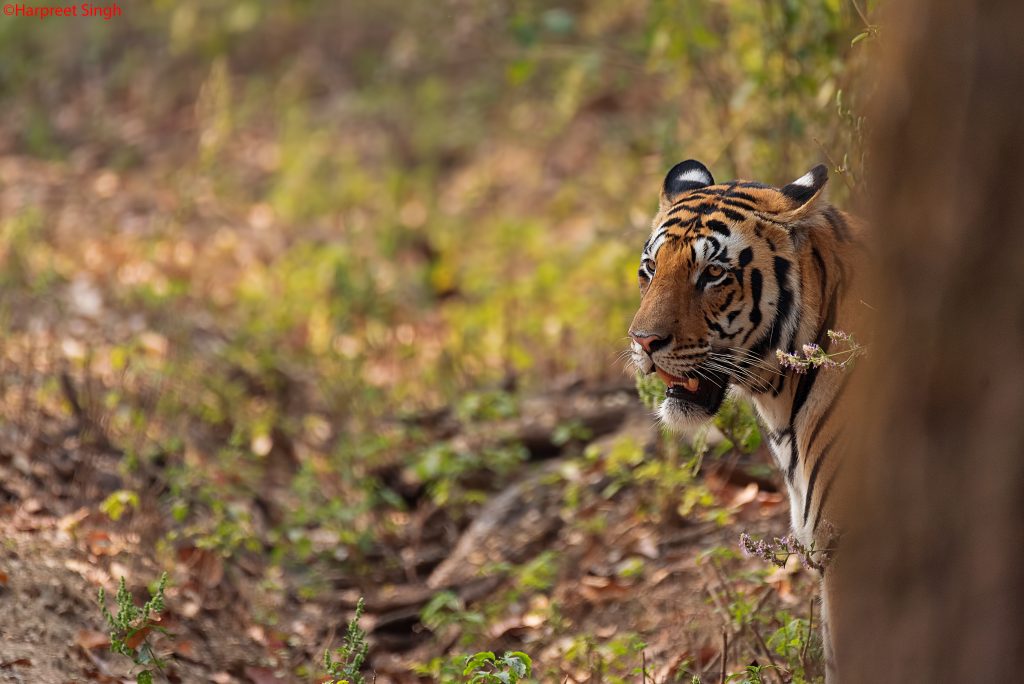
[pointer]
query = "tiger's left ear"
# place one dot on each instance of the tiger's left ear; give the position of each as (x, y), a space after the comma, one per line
(683, 177)
(804, 193)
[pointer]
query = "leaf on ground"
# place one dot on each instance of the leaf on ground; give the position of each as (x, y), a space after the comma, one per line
(17, 662)
(136, 639)
(90, 639)
(262, 675)
(205, 568)
(602, 589)
(185, 649)
(100, 543)
(70, 522)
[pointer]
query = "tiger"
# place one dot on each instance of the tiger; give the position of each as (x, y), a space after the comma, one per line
(730, 274)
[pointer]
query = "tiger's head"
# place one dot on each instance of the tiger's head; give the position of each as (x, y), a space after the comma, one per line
(720, 284)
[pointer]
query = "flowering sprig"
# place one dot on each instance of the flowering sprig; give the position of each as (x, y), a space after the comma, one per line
(780, 549)
(813, 356)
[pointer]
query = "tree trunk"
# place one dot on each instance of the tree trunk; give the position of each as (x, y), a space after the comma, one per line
(936, 574)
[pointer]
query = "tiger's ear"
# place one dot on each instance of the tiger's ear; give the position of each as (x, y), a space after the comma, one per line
(803, 193)
(683, 177)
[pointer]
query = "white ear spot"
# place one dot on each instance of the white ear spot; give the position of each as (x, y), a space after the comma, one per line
(695, 175)
(806, 180)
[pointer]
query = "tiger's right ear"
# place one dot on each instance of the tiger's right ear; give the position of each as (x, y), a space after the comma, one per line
(804, 193)
(683, 177)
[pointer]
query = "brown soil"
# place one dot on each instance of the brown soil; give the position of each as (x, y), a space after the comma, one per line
(58, 549)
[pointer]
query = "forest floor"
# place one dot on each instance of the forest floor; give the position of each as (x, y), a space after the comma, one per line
(192, 334)
(632, 586)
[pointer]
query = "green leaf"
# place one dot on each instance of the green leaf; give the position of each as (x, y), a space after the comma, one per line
(519, 662)
(117, 503)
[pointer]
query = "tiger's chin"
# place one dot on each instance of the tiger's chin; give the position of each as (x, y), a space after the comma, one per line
(689, 400)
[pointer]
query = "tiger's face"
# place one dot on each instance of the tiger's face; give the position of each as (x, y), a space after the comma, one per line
(719, 278)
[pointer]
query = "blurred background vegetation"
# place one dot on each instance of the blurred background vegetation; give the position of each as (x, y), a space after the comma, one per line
(261, 253)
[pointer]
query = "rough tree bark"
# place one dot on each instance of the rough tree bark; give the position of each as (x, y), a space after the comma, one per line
(937, 578)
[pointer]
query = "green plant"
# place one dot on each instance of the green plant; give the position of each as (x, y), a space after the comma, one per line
(768, 639)
(118, 503)
(614, 660)
(447, 610)
(485, 668)
(351, 655)
(131, 628)
(751, 674)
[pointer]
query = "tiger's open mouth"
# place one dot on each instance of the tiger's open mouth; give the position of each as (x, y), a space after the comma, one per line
(706, 391)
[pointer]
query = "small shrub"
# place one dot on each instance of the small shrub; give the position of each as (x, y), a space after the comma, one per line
(485, 668)
(347, 669)
(131, 628)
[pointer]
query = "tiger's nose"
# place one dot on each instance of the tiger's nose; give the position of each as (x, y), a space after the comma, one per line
(650, 343)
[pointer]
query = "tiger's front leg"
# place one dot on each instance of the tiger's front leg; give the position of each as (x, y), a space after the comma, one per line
(830, 607)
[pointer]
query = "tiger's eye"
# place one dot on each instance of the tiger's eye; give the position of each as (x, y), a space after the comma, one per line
(649, 265)
(714, 271)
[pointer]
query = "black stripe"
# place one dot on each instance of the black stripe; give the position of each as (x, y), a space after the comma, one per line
(786, 298)
(794, 455)
(736, 204)
(745, 256)
(838, 223)
(678, 208)
(822, 271)
(718, 329)
(755, 293)
(705, 192)
(828, 412)
(671, 222)
(770, 219)
(782, 310)
(718, 227)
(741, 195)
(803, 389)
(733, 215)
(685, 354)
(814, 477)
(806, 383)
(782, 267)
(824, 498)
